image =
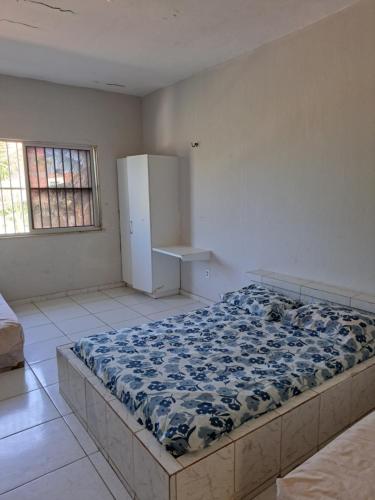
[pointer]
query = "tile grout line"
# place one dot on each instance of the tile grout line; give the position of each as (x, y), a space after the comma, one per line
(86, 455)
(62, 416)
(42, 475)
(90, 313)
(75, 437)
(53, 321)
(108, 298)
(32, 426)
(23, 393)
(130, 306)
(57, 326)
(70, 293)
(50, 321)
(101, 477)
(46, 340)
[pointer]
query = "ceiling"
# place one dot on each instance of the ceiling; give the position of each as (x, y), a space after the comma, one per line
(137, 46)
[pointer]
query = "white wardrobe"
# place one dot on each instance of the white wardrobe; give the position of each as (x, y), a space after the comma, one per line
(149, 217)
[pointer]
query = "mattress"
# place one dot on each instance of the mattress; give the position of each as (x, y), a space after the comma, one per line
(343, 470)
(11, 338)
(191, 378)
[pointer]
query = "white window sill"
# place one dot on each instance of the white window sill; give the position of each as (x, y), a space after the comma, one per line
(52, 232)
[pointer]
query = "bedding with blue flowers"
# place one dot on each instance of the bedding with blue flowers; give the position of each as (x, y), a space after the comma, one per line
(191, 378)
(259, 300)
(352, 328)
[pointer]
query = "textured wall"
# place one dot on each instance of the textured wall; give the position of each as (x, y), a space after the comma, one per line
(284, 177)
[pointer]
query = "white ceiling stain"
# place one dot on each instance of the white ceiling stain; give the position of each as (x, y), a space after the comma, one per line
(137, 46)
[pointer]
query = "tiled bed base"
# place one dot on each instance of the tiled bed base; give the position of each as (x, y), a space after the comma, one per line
(240, 465)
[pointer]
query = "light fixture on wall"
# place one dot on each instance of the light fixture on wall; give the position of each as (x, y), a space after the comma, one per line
(194, 144)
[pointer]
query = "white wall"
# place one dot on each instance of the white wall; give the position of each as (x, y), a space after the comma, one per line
(39, 111)
(284, 177)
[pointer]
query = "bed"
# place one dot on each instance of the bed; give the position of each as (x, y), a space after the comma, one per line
(344, 469)
(217, 403)
(191, 378)
(11, 338)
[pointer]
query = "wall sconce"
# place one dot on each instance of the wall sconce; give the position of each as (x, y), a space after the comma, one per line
(194, 144)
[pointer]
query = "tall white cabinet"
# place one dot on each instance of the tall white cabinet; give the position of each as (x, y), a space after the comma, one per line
(149, 217)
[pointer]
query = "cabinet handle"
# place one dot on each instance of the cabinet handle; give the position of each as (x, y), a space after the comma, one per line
(131, 226)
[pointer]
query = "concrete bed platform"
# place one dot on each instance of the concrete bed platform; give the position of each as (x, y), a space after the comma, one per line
(243, 463)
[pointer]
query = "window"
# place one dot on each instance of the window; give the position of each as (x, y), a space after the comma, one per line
(46, 188)
(13, 197)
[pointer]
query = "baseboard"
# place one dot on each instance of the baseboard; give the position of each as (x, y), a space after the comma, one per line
(204, 300)
(98, 288)
(160, 294)
(67, 293)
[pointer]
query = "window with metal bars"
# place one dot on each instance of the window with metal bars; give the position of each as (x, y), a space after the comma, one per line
(47, 188)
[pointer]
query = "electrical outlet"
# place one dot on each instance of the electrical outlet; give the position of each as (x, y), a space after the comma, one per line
(207, 274)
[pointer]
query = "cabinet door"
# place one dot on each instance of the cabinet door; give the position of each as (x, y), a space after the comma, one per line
(139, 215)
(123, 199)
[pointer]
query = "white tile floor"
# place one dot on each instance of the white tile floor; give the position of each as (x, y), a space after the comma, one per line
(45, 453)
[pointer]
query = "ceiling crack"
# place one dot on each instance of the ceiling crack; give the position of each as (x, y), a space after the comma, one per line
(53, 7)
(115, 85)
(110, 84)
(11, 21)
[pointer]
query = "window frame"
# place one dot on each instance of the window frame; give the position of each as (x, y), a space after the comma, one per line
(95, 190)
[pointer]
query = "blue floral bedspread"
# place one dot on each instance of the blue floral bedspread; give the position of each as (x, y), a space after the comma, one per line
(191, 378)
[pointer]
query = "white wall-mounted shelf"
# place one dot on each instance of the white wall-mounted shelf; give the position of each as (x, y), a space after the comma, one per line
(184, 253)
